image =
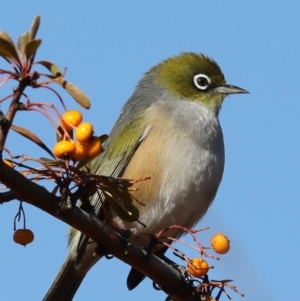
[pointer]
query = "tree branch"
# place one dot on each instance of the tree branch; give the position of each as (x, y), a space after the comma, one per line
(7, 196)
(8, 119)
(167, 277)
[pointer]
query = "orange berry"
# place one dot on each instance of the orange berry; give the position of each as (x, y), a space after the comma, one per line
(71, 119)
(198, 267)
(84, 132)
(80, 151)
(220, 243)
(8, 163)
(64, 149)
(94, 147)
(23, 236)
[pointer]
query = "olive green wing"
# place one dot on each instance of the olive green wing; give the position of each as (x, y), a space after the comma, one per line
(119, 148)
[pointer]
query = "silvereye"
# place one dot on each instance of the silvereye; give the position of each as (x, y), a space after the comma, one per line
(168, 130)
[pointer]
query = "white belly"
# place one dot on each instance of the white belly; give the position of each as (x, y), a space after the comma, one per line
(185, 169)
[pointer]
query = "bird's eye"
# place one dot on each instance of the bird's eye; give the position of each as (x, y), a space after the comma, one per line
(201, 81)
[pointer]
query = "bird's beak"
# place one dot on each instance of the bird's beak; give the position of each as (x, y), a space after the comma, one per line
(230, 89)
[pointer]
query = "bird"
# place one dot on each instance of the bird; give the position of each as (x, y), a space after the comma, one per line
(168, 130)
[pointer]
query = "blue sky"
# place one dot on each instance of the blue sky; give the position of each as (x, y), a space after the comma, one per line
(107, 46)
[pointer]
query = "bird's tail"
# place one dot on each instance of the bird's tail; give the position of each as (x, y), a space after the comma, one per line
(66, 282)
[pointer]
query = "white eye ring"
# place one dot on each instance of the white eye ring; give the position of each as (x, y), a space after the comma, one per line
(201, 81)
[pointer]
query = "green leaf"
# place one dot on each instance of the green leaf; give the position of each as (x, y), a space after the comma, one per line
(7, 48)
(22, 42)
(34, 27)
(75, 92)
(6, 37)
(31, 48)
(32, 137)
(51, 67)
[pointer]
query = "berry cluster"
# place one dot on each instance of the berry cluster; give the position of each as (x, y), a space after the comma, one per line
(85, 145)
